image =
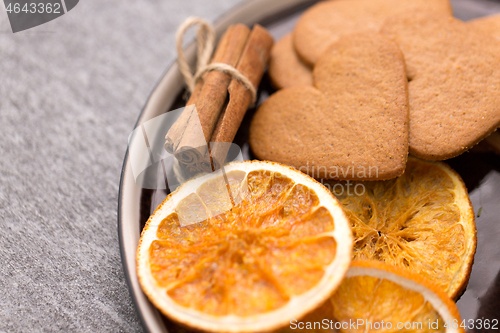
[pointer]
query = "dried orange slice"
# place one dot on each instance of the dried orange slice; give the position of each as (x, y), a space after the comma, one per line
(246, 249)
(422, 220)
(376, 297)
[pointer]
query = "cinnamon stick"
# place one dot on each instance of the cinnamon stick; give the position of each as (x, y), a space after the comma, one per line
(209, 95)
(252, 64)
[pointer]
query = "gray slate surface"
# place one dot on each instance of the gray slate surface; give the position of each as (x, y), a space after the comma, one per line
(70, 93)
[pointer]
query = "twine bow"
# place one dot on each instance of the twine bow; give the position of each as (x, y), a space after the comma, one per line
(205, 39)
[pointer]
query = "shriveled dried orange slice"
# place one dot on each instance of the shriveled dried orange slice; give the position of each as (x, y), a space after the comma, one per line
(377, 297)
(422, 220)
(246, 249)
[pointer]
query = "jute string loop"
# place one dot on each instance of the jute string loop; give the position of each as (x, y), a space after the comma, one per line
(205, 39)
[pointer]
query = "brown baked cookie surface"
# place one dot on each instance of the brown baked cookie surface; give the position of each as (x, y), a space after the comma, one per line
(323, 24)
(488, 24)
(285, 67)
(454, 83)
(352, 124)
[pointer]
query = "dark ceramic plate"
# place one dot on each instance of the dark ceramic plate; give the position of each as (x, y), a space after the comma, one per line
(480, 171)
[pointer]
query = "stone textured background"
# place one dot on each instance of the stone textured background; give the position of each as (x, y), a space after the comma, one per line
(70, 93)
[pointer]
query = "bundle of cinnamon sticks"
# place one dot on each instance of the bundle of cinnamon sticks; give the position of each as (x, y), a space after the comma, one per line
(218, 103)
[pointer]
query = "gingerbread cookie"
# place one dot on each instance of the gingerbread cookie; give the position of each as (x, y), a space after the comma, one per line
(352, 124)
(454, 83)
(325, 22)
(285, 67)
(488, 24)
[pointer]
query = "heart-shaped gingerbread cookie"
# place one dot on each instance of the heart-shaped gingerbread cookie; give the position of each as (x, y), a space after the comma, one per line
(325, 22)
(487, 24)
(353, 124)
(454, 88)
